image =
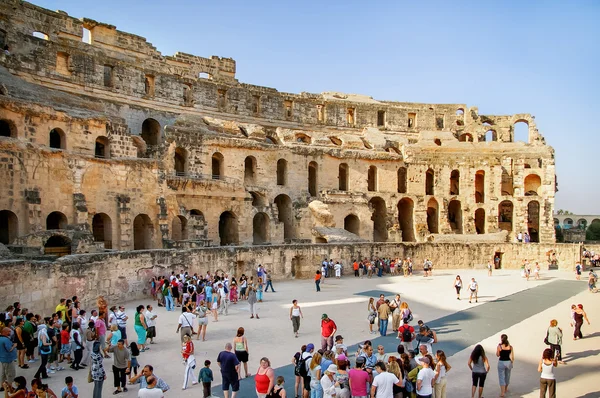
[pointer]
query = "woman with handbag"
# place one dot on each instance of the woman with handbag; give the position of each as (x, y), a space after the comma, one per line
(372, 314)
(553, 338)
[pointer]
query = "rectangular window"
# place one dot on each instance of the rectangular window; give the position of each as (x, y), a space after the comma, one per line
(108, 76)
(149, 85)
(62, 63)
(221, 98)
(439, 122)
(350, 116)
(412, 120)
(288, 106)
(256, 104)
(380, 118)
(320, 113)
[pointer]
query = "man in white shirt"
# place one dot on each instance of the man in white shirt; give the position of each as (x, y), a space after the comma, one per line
(224, 303)
(383, 383)
(151, 323)
(425, 379)
(122, 323)
(151, 391)
(94, 316)
(186, 323)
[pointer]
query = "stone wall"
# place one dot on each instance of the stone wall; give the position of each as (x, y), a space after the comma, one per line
(124, 276)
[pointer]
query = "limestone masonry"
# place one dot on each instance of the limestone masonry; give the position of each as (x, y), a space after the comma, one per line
(109, 145)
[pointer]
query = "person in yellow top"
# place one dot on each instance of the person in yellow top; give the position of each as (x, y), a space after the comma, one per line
(62, 307)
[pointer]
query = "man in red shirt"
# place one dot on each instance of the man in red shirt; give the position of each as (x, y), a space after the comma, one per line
(328, 329)
(403, 335)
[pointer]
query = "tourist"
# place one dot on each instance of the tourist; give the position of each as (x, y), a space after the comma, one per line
(121, 365)
(151, 390)
(384, 315)
(140, 327)
(407, 334)
(303, 367)
(97, 370)
(383, 383)
(341, 378)
(458, 286)
(186, 323)
(479, 365)
(328, 329)
(240, 344)
(278, 391)
(381, 355)
(89, 337)
(536, 271)
(214, 306)
(338, 270)
(394, 368)
(18, 391)
(264, 379)
(489, 268)
(395, 308)
(405, 312)
(547, 377)
(318, 280)
(65, 341)
(100, 327)
(229, 365)
(298, 387)
(113, 337)
(315, 370)
(21, 337)
(358, 379)
(122, 323)
(474, 289)
(328, 383)
(45, 348)
(269, 281)
(187, 353)
(506, 359)
(441, 370)
(8, 355)
(70, 390)
(206, 377)
(578, 316)
(295, 315)
(425, 378)
(146, 373)
(223, 298)
(150, 319)
(372, 314)
(201, 314)
(578, 270)
(243, 287)
(252, 302)
(233, 292)
(41, 390)
(426, 337)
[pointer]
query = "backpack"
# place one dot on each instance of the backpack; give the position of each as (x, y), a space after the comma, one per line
(408, 386)
(301, 366)
(409, 317)
(406, 334)
(225, 288)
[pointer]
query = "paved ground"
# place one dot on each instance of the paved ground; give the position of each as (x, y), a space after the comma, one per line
(508, 304)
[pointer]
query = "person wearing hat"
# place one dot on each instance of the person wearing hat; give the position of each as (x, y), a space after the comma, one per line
(425, 379)
(328, 329)
(339, 345)
(328, 382)
(307, 356)
(383, 383)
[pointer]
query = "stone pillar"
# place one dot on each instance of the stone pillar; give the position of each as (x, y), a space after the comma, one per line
(163, 219)
(81, 212)
(34, 210)
(125, 223)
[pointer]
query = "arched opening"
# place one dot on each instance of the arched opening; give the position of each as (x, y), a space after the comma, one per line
(58, 246)
(505, 215)
(352, 224)
(281, 172)
(143, 232)
(197, 225)
(204, 75)
(181, 162)
(9, 227)
(303, 139)
(179, 228)
(521, 131)
(57, 139)
(228, 229)
(101, 148)
(432, 216)
(567, 223)
(480, 221)
(533, 221)
(556, 223)
(343, 177)
(258, 200)
(479, 186)
(379, 218)
(455, 216)
(7, 129)
(506, 184)
(455, 182)
(405, 219)
(249, 170)
(532, 185)
(372, 179)
(465, 137)
(582, 223)
(151, 132)
(102, 229)
(429, 182)
(284, 210)
(40, 35)
(217, 166)
(460, 112)
(595, 221)
(402, 175)
(260, 229)
(491, 136)
(313, 178)
(56, 220)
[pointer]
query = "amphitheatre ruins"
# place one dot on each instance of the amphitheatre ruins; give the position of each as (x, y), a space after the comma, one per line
(118, 161)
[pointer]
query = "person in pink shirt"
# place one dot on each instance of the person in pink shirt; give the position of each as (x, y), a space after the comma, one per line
(358, 379)
(100, 327)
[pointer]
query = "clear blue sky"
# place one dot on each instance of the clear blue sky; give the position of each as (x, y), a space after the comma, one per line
(505, 57)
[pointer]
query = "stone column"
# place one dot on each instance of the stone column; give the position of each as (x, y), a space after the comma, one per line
(34, 210)
(163, 220)
(125, 223)
(81, 212)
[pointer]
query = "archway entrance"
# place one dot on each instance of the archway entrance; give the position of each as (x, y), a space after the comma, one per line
(352, 224)
(405, 219)
(260, 229)
(58, 246)
(56, 220)
(151, 132)
(9, 225)
(379, 218)
(143, 232)
(480, 221)
(533, 221)
(228, 229)
(455, 182)
(432, 216)
(455, 216)
(429, 182)
(284, 210)
(102, 229)
(479, 186)
(312, 178)
(179, 229)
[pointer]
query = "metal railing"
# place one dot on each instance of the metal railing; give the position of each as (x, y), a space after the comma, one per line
(182, 175)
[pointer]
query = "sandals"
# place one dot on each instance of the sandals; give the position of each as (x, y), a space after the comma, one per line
(117, 392)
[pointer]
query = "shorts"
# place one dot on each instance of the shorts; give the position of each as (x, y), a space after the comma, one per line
(65, 349)
(306, 381)
(243, 291)
(227, 381)
(203, 321)
(123, 332)
(479, 378)
(242, 356)
(215, 305)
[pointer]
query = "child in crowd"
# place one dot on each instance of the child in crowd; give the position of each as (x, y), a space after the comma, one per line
(70, 390)
(206, 377)
(134, 350)
(259, 291)
(65, 341)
